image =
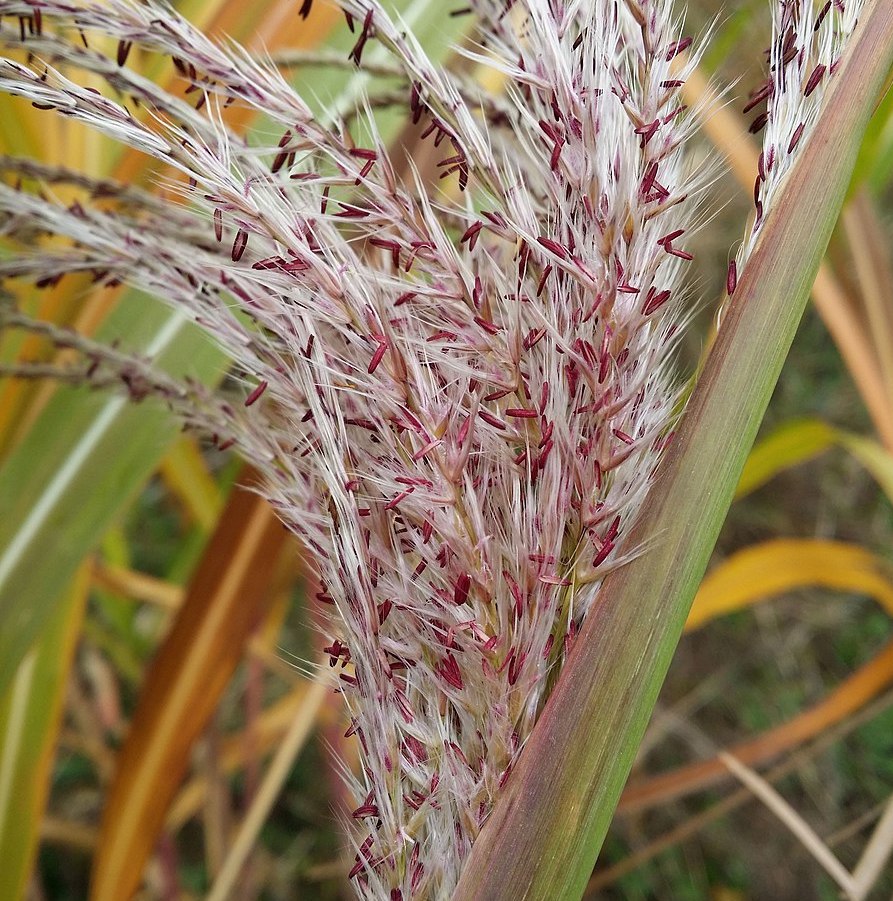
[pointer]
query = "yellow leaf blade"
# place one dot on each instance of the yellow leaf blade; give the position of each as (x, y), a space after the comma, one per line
(791, 444)
(775, 567)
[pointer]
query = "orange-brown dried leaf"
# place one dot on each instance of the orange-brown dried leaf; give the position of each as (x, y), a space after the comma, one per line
(227, 598)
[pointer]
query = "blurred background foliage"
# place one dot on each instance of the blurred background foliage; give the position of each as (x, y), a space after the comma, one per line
(158, 733)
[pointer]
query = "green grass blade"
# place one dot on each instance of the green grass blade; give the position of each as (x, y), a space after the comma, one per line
(30, 714)
(79, 466)
(548, 826)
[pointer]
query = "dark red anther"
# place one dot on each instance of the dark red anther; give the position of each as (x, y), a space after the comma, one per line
(553, 247)
(604, 362)
(667, 243)
(534, 336)
(255, 394)
(417, 247)
(759, 123)
(460, 593)
(648, 179)
(489, 327)
(494, 218)
(544, 453)
(513, 674)
(795, 138)
(387, 244)
(673, 113)
(647, 132)
(415, 102)
(521, 413)
(547, 649)
(464, 431)
(239, 244)
(678, 47)
(732, 278)
(549, 130)
(123, 51)
(450, 161)
(395, 502)
(542, 282)
(367, 809)
(416, 869)
(491, 419)
(655, 302)
(471, 234)
(416, 751)
(338, 651)
(349, 211)
(304, 11)
(758, 96)
(218, 223)
(814, 79)
(626, 439)
(449, 671)
(377, 357)
(602, 555)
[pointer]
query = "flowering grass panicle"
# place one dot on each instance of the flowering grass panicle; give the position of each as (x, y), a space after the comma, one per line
(458, 400)
(806, 49)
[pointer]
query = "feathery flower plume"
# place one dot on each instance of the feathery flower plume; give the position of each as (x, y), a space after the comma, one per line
(805, 52)
(457, 404)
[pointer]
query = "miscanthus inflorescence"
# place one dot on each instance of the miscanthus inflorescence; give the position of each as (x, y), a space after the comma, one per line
(458, 398)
